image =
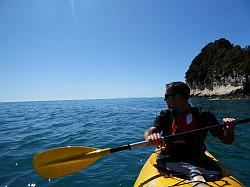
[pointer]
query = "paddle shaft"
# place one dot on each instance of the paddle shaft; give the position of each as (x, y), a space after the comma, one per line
(145, 143)
(242, 121)
(205, 128)
(129, 146)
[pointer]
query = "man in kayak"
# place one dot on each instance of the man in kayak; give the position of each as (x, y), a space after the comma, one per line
(181, 117)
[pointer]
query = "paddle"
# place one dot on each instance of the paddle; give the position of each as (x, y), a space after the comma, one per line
(63, 161)
(205, 128)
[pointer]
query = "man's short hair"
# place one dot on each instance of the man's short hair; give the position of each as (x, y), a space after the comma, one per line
(181, 88)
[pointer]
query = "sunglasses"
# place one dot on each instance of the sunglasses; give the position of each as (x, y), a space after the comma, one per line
(167, 96)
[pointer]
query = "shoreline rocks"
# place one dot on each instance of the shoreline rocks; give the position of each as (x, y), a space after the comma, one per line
(219, 91)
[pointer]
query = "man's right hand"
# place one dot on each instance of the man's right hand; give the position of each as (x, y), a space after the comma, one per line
(154, 139)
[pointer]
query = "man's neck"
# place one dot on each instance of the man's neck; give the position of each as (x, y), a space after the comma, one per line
(183, 108)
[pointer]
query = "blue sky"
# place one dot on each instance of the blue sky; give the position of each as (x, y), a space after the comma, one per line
(84, 49)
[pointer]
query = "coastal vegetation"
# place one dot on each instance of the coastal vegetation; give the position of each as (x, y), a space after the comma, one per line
(220, 63)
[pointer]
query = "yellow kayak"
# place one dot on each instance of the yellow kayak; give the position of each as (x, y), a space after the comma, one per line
(150, 176)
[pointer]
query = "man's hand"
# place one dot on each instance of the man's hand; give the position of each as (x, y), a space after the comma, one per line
(154, 139)
(229, 124)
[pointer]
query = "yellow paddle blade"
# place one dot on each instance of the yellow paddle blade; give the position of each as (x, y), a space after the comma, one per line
(63, 161)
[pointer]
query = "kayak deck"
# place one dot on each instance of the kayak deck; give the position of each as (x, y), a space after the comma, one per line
(151, 176)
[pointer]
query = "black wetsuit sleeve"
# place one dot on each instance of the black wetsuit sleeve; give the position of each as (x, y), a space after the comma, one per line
(209, 119)
(161, 120)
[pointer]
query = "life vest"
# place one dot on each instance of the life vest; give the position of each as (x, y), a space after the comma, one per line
(189, 145)
(184, 122)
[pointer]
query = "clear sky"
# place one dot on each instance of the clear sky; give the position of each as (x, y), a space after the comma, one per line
(83, 49)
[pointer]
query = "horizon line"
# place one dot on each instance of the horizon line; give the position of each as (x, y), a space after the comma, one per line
(84, 99)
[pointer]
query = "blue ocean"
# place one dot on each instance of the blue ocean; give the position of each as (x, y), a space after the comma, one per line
(27, 128)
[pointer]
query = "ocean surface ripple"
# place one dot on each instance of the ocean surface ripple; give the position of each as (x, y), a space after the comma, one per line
(27, 128)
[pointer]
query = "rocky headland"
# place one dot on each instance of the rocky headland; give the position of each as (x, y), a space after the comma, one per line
(220, 70)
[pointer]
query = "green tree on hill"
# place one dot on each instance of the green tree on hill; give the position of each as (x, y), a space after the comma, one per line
(217, 61)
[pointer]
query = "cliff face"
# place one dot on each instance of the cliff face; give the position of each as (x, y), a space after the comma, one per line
(220, 69)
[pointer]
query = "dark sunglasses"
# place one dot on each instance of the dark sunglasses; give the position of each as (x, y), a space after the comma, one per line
(167, 96)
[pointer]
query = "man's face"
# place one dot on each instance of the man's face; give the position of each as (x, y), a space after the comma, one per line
(170, 100)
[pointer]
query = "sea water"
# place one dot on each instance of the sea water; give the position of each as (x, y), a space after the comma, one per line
(27, 128)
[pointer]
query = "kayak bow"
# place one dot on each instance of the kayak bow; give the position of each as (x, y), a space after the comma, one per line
(152, 176)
